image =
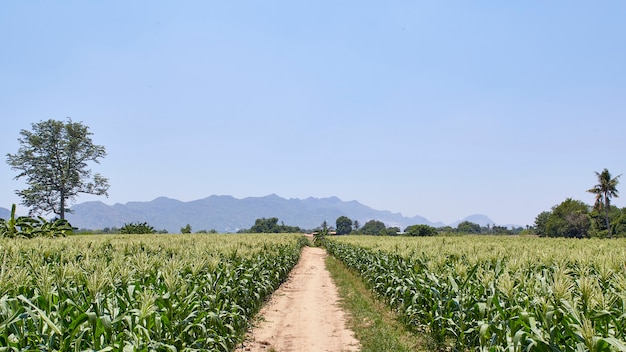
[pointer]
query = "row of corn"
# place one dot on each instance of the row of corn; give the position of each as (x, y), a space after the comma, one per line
(499, 293)
(137, 293)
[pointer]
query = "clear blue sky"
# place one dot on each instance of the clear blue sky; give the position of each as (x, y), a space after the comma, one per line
(435, 108)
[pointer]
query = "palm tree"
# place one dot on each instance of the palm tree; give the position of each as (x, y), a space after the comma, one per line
(604, 191)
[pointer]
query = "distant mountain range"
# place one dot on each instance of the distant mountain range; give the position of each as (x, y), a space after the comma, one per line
(229, 214)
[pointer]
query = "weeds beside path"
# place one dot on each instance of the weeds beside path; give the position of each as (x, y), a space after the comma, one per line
(376, 326)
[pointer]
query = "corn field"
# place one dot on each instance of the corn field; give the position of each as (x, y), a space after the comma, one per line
(137, 293)
(481, 293)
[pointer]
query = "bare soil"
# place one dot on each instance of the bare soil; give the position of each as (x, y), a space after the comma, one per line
(303, 314)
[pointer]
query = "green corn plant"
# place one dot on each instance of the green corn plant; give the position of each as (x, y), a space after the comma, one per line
(141, 293)
(497, 294)
(9, 227)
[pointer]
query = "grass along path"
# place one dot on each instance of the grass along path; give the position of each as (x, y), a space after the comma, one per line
(375, 325)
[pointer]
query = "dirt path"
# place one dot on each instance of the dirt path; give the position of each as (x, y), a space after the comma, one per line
(303, 314)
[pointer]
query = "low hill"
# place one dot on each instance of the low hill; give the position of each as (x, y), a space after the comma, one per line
(480, 219)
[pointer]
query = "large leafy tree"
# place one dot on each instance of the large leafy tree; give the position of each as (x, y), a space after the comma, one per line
(420, 230)
(344, 225)
(569, 219)
(604, 191)
(541, 223)
(468, 227)
(271, 225)
(53, 158)
(374, 228)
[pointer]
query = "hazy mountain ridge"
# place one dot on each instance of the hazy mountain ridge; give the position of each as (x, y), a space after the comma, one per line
(479, 219)
(4, 213)
(229, 214)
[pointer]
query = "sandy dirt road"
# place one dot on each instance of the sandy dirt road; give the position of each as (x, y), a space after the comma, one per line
(303, 314)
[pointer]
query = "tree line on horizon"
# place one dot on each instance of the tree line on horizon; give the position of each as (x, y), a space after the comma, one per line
(53, 159)
(571, 218)
(576, 219)
(346, 226)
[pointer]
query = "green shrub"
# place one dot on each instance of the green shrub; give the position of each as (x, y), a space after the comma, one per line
(137, 228)
(420, 230)
(28, 227)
